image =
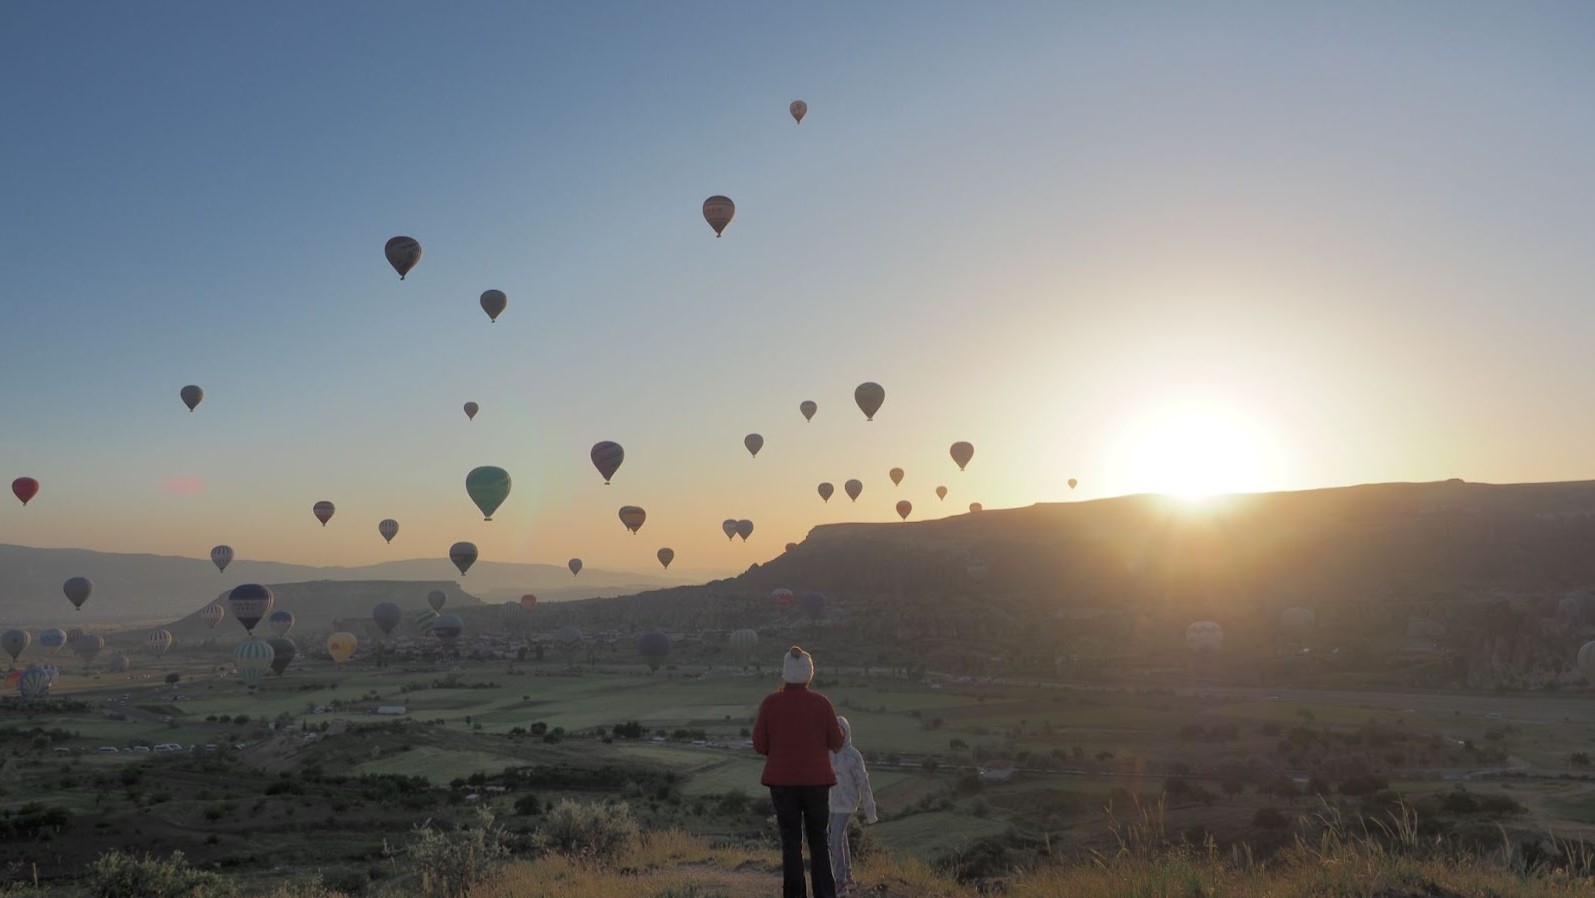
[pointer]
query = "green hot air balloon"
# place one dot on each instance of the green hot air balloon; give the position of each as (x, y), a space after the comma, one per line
(253, 657)
(488, 487)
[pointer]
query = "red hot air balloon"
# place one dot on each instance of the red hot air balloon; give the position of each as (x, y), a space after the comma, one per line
(781, 598)
(528, 601)
(903, 508)
(974, 507)
(962, 452)
(403, 253)
(897, 476)
(25, 488)
(607, 457)
(323, 511)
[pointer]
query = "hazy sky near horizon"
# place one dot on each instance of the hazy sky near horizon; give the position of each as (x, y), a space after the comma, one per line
(1149, 246)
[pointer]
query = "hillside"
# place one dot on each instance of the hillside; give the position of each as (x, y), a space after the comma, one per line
(152, 587)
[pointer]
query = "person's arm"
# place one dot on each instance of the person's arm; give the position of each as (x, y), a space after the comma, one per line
(761, 732)
(866, 795)
(834, 740)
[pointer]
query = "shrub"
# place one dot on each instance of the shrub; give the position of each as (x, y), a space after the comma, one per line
(451, 862)
(1269, 818)
(118, 875)
(595, 832)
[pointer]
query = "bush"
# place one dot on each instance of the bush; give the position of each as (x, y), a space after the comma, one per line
(528, 806)
(1269, 818)
(118, 875)
(595, 832)
(451, 862)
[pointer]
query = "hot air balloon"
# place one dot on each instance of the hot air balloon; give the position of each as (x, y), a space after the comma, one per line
(941, 492)
(808, 407)
(87, 646)
(448, 627)
(253, 659)
(896, 474)
(488, 487)
(341, 647)
(826, 491)
(569, 639)
(402, 253)
(471, 409)
(280, 622)
(15, 642)
(213, 614)
(52, 640)
(437, 598)
(791, 546)
(1586, 660)
(632, 517)
(191, 396)
(34, 683)
(814, 603)
(250, 602)
(119, 664)
(853, 488)
(221, 556)
(25, 488)
(975, 506)
(607, 457)
(575, 565)
(158, 641)
(744, 529)
(718, 212)
(754, 442)
(493, 303)
(729, 528)
(743, 642)
(1073, 483)
(654, 647)
(781, 598)
(388, 528)
(903, 508)
(798, 110)
(463, 555)
(77, 591)
(283, 652)
(666, 556)
(323, 511)
(1204, 637)
(423, 620)
(72, 634)
(386, 616)
(962, 452)
(1296, 622)
(869, 397)
(528, 602)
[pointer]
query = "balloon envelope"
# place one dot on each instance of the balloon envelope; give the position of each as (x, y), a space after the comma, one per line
(493, 303)
(250, 602)
(654, 647)
(729, 528)
(1297, 621)
(962, 452)
(1586, 660)
(528, 602)
(814, 603)
(463, 554)
(88, 645)
(471, 409)
(718, 212)
(403, 253)
(975, 506)
(633, 517)
(1204, 637)
(280, 622)
(869, 397)
(798, 108)
(666, 556)
(191, 396)
(743, 642)
(808, 407)
(781, 598)
(575, 565)
(826, 491)
(388, 528)
(24, 488)
(14, 642)
(897, 476)
(323, 511)
(158, 641)
(283, 652)
(488, 487)
(386, 616)
(341, 646)
(213, 614)
(52, 640)
(448, 627)
(904, 507)
(221, 556)
(437, 598)
(754, 443)
(78, 590)
(941, 492)
(253, 659)
(1073, 483)
(853, 488)
(744, 529)
(606, 457)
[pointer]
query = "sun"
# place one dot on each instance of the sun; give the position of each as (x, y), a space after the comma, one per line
(1198, 450)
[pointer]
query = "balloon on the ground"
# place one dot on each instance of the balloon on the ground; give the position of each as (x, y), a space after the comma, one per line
(25, 488)
(15, 642)
(221, 556)
(323, 511)
(119, 664)
(88, 645)
(388, 528)
(853, 488)
(1204, 637)
(569, 639)
(718, 212)
(280, 622)
(633, 517)
(869, 397)
(448, 627)
(403, 253)
(158, 641)
(341, 646)
(654, 647)
(941, 492)
(962, 452)
(1586, 660)
(976, 506)
(386, 616)
(52, 640)
(191, 396)
(528, 602)
(791, 546)
(798, 108)
(826, 490)
(808, 407)
(666, 556)
(283, 652)
(78, 590)
(250, 602)
(253, 659)
(814, 603)
(743, 642)
(437, 598)
(896, 475)
(744, 529)
(34, 683)
(904, 508)
(423, 620)
(606, 457)
(488, 487)
(494, 303)
(463, 554)
(781, 598)
(729, 528)
(575, 565)
(754, 443)
(212, 614)
(471, 409)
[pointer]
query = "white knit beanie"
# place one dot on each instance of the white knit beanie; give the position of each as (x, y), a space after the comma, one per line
(797, 666)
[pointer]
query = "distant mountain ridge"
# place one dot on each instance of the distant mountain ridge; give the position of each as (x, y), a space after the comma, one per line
(142, 587)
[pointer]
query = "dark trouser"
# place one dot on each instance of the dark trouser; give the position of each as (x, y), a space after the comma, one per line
(803, 810)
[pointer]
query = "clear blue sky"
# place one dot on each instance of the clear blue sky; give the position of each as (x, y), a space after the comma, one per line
(1301, 246)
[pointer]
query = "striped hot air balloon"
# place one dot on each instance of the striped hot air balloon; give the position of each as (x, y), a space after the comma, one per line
(253, 659)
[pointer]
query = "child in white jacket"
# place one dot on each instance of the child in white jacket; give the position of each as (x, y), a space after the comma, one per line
(852, 790)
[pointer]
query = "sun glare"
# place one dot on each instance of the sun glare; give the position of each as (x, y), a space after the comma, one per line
(1197, 451)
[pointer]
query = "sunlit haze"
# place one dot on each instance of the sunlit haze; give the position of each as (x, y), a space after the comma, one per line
(1186, 248)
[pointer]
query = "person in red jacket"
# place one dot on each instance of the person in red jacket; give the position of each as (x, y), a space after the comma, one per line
(796, 732)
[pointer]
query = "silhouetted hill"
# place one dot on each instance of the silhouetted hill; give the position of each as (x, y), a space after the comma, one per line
(151, 587)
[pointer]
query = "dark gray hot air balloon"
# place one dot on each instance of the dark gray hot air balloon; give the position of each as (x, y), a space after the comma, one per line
(403, 253)
(192, 396)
